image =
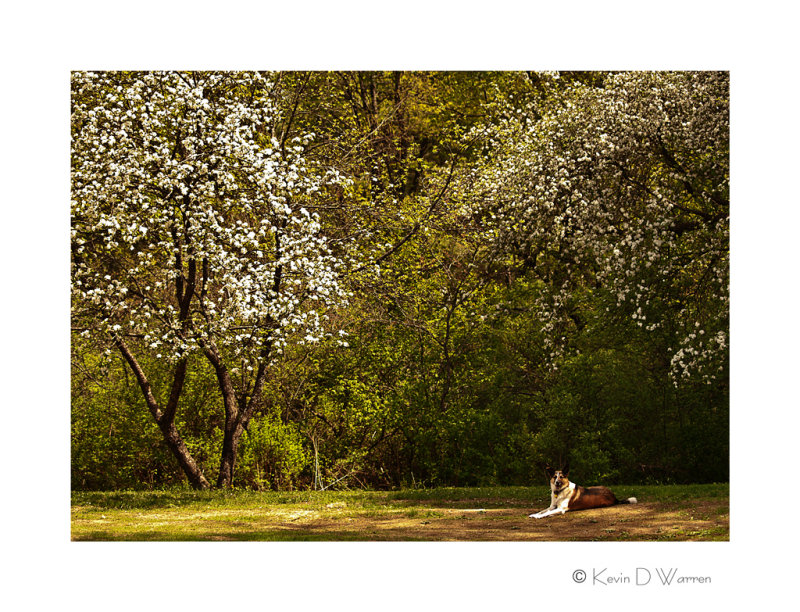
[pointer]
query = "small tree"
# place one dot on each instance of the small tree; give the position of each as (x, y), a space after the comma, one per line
(193, 231)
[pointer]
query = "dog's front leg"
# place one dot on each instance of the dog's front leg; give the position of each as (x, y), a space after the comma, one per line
(544, 513)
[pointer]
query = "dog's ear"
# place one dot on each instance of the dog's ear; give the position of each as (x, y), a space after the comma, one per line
(565, 470)
(550, 471)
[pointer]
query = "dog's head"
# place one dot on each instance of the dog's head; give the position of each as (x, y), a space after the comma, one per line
(558, 478)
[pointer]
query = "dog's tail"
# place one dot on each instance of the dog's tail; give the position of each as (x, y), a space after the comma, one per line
(630, 500)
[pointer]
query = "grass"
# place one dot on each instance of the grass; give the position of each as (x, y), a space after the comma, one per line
(668, 512)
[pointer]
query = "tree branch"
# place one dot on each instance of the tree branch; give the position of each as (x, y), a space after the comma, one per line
(144, 383)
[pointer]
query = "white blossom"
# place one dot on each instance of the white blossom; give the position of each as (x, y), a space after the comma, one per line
(179, 190)
(623, 188)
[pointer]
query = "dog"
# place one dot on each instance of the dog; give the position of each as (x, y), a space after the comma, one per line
(566, 495)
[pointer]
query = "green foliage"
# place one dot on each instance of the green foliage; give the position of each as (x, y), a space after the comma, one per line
(115, 442)
(117, 445)
(271, 455)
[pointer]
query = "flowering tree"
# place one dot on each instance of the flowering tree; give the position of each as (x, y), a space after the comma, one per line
(622, 190)
(194, 231)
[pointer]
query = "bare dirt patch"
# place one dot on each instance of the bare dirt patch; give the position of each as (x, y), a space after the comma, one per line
(707, 520)
(669, 513)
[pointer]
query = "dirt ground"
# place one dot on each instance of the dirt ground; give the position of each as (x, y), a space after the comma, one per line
(707, 520)
(459, 516)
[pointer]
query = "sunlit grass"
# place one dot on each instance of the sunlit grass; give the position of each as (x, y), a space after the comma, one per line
(187, 515)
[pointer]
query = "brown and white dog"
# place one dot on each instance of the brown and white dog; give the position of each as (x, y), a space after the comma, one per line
(566, 495)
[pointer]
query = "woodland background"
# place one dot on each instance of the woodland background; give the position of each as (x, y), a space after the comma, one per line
(536, 271)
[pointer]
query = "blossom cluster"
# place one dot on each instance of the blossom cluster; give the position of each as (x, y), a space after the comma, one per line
(622, 188)
(192, 217)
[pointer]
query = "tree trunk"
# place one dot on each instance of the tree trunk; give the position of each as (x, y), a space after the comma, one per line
(230, 447)
(166, 418)
(237, 413)
(189, 466)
